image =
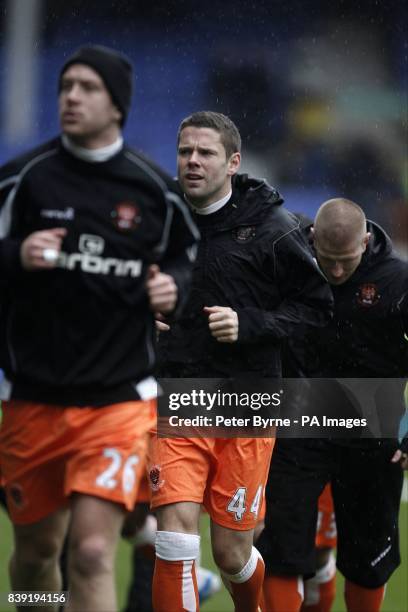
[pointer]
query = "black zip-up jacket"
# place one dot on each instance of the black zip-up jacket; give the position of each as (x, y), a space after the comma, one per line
(82, 333)
(253, 258)
(368, 335)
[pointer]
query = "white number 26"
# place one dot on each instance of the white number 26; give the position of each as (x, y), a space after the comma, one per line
(107, 479)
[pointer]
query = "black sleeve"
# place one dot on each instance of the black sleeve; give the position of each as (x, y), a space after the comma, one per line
(399, 305)
(181, 249)
(306, 297)
(10, 244)
(402, 307)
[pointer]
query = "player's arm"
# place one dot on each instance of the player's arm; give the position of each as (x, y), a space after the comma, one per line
(36, 251)
(176, 263)
(307, 300)
(401, 454)
(10, 242)
(402, 309)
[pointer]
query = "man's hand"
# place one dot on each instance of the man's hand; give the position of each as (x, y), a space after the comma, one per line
(223, 323)
(161, 290)
(161, 326)
(401, 455)
(40, 250)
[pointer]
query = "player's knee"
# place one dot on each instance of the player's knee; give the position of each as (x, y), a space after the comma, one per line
(173, 546)
(35, 556)
(180, 517)
(91, 555)
(260, 526)
(232, 558)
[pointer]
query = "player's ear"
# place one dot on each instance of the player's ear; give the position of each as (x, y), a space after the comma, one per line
(365, 241)
(117, 115)
(234, 163)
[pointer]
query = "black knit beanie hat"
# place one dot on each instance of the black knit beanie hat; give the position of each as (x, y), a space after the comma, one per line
(114, 68)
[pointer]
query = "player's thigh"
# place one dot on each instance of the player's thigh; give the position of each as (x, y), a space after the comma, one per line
(42, 539)
(179, 470)
(108, 451)
(367, 490)
(95, 526)
(181, 517)
(236, 486)
(297, 477)
(366, 499)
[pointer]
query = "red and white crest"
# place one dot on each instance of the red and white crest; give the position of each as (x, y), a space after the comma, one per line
(154, 477)
(367, 295)
(244, 233)
(126, 216)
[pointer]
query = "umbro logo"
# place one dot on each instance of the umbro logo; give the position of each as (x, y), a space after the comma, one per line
(66, 215)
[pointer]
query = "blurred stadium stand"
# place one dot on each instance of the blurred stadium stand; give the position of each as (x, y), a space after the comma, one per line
(319, 90)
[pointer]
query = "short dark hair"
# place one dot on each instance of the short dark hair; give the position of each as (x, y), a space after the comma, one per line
(222, 124)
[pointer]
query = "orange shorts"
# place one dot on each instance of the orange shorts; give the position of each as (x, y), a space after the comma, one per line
(48, 452)
(227, 476)
(326, 535)
(143, 494)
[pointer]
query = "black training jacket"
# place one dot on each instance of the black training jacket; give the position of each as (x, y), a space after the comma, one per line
(366, 339)
(83, 334)
(253, 258)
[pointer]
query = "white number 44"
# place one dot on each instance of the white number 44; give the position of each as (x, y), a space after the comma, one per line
(237, 503)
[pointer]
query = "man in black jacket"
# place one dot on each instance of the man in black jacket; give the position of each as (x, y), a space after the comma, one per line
(254, 281)
(365, 340)
(94, 241)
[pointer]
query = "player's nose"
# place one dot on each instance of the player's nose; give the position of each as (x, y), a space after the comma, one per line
(337, 270)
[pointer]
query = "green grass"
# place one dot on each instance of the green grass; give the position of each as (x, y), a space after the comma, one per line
(396, 599)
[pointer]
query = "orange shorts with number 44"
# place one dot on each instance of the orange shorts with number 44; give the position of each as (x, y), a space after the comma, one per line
(227, 476)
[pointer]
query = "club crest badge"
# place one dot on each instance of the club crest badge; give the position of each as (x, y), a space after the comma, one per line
(367, 295)
(154, 477)
(126, 216)
(243, 234)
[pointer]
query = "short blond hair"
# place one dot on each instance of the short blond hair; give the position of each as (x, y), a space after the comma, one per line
(340, 221)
